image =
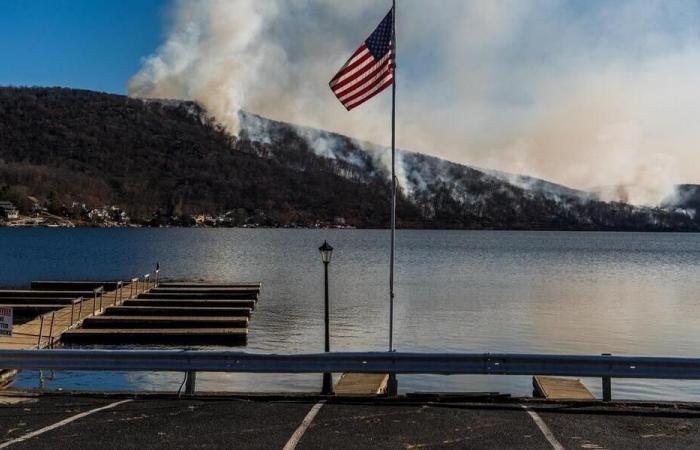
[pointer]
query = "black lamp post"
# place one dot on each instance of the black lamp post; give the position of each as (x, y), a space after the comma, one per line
(326, 253)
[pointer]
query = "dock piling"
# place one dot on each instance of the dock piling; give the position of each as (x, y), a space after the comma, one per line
(607, 385)
(191, 382)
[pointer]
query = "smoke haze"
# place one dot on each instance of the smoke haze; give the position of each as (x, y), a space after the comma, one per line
(593, 95)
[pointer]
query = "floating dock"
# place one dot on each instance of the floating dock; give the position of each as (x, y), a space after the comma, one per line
(60, 311)
(556, 388)
(135, 312)
(362, 384)
(223, 336)
(179, 313)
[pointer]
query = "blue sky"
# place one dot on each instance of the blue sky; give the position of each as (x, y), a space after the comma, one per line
(90, 44)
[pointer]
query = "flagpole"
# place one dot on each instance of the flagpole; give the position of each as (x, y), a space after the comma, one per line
(393, 187)
(392, 383)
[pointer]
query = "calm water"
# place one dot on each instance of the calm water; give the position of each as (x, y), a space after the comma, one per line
(548, 292)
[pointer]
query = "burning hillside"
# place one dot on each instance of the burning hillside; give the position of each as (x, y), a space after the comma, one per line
(64, 146)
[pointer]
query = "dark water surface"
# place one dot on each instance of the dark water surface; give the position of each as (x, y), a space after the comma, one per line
(470, 291)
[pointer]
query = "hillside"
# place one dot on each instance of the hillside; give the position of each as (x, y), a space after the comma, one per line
(150, 158)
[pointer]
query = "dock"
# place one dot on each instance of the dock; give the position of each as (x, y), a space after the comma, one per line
(140, 311)
(60, 311)
(175, 314)
(556, 388)
(223, 336)
(361, 384)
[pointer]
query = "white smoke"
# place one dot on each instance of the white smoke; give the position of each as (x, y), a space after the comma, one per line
(594, 95)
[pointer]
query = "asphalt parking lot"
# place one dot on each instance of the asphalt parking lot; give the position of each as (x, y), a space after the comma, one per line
(58, 422)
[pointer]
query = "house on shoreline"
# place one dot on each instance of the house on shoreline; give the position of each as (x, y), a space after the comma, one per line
(8, 210)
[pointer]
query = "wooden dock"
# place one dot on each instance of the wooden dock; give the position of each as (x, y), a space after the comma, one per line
(174, 315)
(192, 313)
(362, 384)
(42, 332)
(223, 336)
(126, 322)
(556, 388)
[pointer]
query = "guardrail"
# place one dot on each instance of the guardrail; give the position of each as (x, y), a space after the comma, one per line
(604, 366)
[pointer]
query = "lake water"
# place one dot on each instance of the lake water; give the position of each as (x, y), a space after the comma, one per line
(466, 291)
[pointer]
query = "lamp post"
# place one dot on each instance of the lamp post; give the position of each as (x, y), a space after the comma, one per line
(326, 253)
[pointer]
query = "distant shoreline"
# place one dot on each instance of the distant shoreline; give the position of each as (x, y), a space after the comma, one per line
(139, 226)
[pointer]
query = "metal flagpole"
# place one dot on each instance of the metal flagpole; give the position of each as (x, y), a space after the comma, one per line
(392, 385)
(393, 187)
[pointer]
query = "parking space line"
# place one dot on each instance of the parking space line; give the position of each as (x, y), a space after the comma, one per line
(296, 437)
(61, 423)
(556, 445)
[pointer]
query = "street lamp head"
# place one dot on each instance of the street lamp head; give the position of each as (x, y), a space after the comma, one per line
(326, 252)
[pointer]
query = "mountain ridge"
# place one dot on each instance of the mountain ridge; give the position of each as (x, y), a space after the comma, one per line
(170, 159)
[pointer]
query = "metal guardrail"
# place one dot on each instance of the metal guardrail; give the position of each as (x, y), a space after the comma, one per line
(604, 366)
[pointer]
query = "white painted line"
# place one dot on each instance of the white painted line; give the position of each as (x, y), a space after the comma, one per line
(61, 423)
(556, 445)
(296, 437)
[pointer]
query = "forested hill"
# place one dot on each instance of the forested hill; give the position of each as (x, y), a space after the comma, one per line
(170, 159)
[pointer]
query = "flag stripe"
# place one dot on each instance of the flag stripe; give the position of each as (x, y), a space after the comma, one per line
(388, 83)
(364, 86)
(355, 67)
(337, 88)
(369, 92)
(361, 53)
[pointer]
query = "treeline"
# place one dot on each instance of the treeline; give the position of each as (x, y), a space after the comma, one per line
(170, 159)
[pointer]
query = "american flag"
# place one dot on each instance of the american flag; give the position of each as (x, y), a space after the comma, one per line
(369, 70)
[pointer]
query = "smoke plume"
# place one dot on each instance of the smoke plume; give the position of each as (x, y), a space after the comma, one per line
(594, 95)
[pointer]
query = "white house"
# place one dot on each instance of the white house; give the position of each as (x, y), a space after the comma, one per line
(8, 210)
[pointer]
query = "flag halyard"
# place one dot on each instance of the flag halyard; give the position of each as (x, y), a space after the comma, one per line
(370, 70)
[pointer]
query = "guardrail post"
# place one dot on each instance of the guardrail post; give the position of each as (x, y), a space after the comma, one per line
(72, 309)
(607, 385)
(94, 301)
(392, 386)
(191, 382)
(80, 308)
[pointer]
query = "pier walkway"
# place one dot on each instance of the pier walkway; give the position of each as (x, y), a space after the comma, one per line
(44, 331)
(67, 422)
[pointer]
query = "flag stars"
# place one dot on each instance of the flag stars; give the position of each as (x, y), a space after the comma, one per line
(379, 41)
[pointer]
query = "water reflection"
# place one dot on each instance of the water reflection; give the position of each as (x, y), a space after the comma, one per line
(548, 292)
